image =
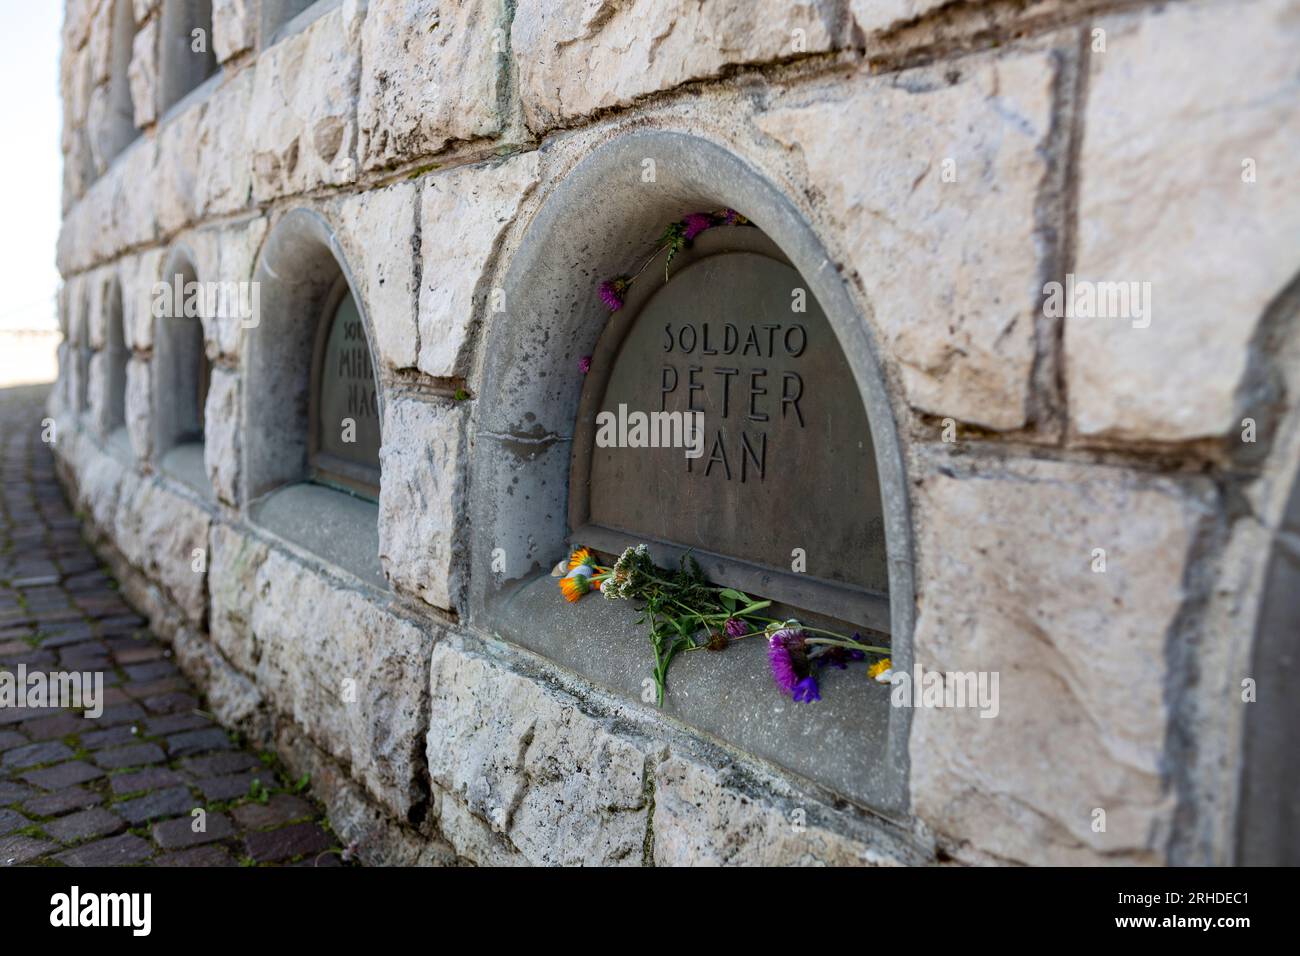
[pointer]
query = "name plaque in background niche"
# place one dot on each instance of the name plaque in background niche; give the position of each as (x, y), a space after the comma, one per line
(347, 429)
(783, 499)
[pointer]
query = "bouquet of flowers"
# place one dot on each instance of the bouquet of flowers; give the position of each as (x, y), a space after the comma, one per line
(685, 613)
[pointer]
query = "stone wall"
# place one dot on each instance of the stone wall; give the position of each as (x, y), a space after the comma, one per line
(951, 159)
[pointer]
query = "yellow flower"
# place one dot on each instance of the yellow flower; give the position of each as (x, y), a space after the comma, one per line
(878, 668)
(580, 557)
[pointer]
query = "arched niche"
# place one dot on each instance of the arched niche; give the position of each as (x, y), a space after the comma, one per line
(181, 67)
(119, 129)
(1268, 814)
(529, 415)
(115, 358)
(312, 406)
(182, 372)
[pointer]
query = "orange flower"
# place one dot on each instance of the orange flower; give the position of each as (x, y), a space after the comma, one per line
(575, 586)
(580, 557)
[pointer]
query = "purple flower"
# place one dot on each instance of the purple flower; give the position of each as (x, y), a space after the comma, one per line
(736, 627)
(805, 692)
(584, 364)
(787, 654)
(611, 293)
(839, 657)
(696, 223)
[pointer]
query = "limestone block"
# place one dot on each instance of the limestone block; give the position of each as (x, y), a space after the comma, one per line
(221, 434)
(140, 273)
(703, 818)
(950, 268)
(176, 176)
(301, 119)
(575, 57)
(232, 697)
(421, 500)
(97, 392)
(353, 675)
(77, 18)
(133, 219)
(144, 8)
(430, 75)
(139, 407)
(873, 16)
(1081, 715)
(234, 27)
(99, 483)
(225, 180)
(464, 215)
(158, 532)
(559, 783)
(143, 74)
(1168, 147)
(100, 42)
(237, 249)
(232, 576)
(377, 230)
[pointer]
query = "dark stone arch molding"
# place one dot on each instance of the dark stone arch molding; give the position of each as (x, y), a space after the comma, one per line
(598, 221)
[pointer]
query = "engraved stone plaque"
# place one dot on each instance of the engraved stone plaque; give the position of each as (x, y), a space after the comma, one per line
(347, 420)
(783, 499)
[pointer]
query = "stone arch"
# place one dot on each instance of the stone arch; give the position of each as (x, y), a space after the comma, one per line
(181, 68)
(119, 129)
(304, 277)
(182, 371)
(528, 400)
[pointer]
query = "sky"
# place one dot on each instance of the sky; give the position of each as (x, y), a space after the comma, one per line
(31, 163)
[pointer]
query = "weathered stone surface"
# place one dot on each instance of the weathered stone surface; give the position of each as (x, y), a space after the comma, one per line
(234, 27)
(421, 504)
(576, 57)
(1162, 199)
(232, 697)
(158, 533)
(352, 674)
(481, 202)
(232, 571)
(377, 233)
(143, 74)
(430, 74)
(176, 178)
(98, 489)
(1082, 714)
(950, 269)
(139, 273)
(302, 114)
(561, 785)
(225, 177)
(221, 434)
(872, 16)
(706, 817)
(139, 407)
(237, 249)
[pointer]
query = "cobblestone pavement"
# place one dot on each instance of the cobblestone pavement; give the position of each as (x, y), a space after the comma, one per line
(120, 789)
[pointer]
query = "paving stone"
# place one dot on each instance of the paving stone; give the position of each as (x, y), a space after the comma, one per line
(11, 820)
(171, 703)
(63, 775)
(157, 688)
(234, 785)
(198, 856)
(157, 805)
(34, 754)
(62, 801)
(11, 792)
(152, 670)
(298, 839)
(16, 850)
(120, 714)
(179, 834)
(281, 808)
(172, 723)
(96, 822)
(213, 765)
(115, 851)
(135, 755)
(198, 741)
(110, 737)
(138, 655)
(10, 739)
(52, 728)
(155, 778)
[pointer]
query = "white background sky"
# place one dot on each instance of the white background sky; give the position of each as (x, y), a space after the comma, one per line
(31, 163)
